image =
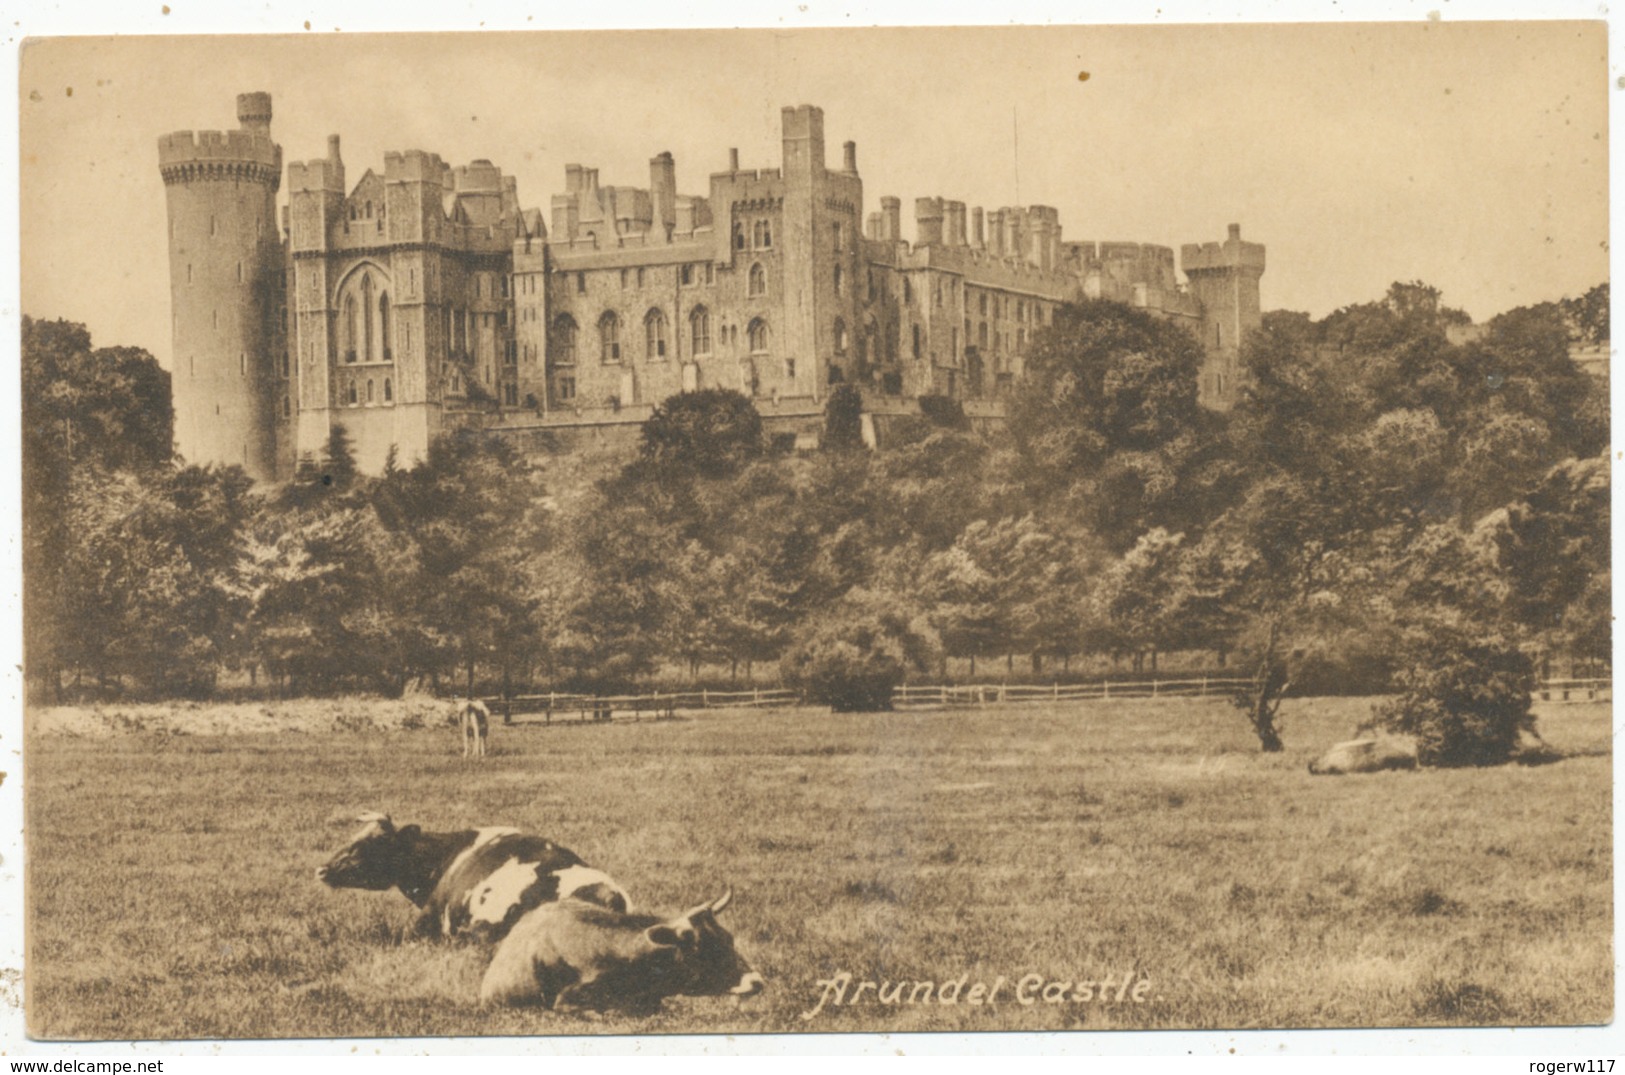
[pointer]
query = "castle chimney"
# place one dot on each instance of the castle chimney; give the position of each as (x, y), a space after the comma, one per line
(954, 223)
(572, 178)
(976, 236)
(333, 149)
(872, 227)
(995, 232)
(849, 157)
(662, 194)
(733, 160)
(927, 221)
(891, 210)
(1235, 231)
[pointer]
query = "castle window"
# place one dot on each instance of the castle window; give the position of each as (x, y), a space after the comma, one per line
(916, 342)
(870, 294)
(837, 230)
(567, 388)
(981, 335)
(383, 325)
(581, 283)
(982, 303)
(623, 279)
(510, 394)
(699, 329)
(239, 272)
(688, 275)
(739, 237)
(369, 389)
(640, 277)
(564, 340)
(840, 336)
(908, 291)
(366, 316)
(789, 369)
(758, 280)
(369, 208)
(762, 234)
(953, 343)
(654, 335)
(710, 272)
(389, 394)
(609, 337)
(756, 335)
(1021, 339)
(287, 407)
(352, 394)
(242, 364)
(352, 212)
(840, 280)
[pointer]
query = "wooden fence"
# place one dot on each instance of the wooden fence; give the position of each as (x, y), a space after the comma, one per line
(589, 708)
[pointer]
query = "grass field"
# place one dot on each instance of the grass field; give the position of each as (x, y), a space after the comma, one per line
(171, 889)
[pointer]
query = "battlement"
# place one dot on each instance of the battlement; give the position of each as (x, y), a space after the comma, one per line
(247, 147)
(1231, 255)
(316, 175)
(479, 177)
(415, 166)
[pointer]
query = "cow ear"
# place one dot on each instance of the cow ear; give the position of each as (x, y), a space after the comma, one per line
(661, 936)
(373, 817)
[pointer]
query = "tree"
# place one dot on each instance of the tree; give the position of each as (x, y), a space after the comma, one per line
(711, 432)
(1465, 698)
(855, 656)
(843, 418)
(1107, 414)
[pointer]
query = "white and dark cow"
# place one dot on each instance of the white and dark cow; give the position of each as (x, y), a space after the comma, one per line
(1365, 756)
(477, 882)
(572, 955)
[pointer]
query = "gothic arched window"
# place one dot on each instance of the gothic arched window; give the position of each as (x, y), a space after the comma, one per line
(699, 329)
(564, 340)
(758, 280)
(654, 335)
(383, 326)
(757, 336)
(609, 337)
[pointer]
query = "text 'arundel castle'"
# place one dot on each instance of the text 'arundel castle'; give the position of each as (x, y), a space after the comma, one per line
(425, 298)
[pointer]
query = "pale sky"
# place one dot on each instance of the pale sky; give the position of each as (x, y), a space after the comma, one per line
(1472, 156)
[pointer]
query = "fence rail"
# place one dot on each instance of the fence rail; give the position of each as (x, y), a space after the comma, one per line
(598, 708)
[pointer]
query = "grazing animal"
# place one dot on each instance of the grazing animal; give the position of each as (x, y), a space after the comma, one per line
(475, 718)
(477, 882)
(1365, 756)
(572, 955)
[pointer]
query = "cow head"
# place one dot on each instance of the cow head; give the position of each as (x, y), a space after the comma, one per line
(702, 954)
(371, 860)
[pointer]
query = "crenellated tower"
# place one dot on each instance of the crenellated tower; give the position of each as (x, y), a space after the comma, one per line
(1224, 277)
(225, 272)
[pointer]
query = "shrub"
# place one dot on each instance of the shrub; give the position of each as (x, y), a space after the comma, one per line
(944, 411)
(843, 418)
(854, 656)
(1465, 699)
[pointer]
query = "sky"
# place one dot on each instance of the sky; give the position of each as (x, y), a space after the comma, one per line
(1472, 156)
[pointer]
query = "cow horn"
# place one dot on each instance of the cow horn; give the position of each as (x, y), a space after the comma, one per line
(722, 901)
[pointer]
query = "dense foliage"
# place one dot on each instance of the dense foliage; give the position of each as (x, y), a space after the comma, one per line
(1377, 480)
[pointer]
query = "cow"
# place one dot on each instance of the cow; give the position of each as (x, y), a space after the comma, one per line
(1365, 756)
(474, 717)
(474, 883)
(575, 956)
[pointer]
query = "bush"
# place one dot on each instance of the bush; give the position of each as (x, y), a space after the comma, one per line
(854, 656)
(1465, 699)
(843, 418)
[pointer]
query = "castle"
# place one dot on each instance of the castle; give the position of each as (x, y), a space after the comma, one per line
(426, 298)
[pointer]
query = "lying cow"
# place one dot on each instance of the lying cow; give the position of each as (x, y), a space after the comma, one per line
(1365, 756)
(474, 717)
(573, 955)
(477, 882)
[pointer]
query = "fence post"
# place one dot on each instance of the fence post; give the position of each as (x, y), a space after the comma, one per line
(756, 696)
(1204, 686)
(1057, 692)
(705, 698)
(1105, 689)
(1153, 688)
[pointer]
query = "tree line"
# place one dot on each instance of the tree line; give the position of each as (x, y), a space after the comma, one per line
(1377, 485)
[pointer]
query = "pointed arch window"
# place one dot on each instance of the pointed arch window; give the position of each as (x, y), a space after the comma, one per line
(383, 326)
(351, 397)
(758, 280)
(654, 335)
(369, 389)
(840, 281)
(349, 328)
(389, 395)
(757, 336)
(564, 340)
(840, 336)
(699, 329)
(609, 337)
(366, 315)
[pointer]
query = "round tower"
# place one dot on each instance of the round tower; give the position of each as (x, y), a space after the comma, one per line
(225, 276)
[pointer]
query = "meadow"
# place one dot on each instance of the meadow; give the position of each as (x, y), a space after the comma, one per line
(171, 857)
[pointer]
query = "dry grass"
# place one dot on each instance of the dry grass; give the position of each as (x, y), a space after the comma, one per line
(171, 890)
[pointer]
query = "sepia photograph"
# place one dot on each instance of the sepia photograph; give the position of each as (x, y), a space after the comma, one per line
(815, 531)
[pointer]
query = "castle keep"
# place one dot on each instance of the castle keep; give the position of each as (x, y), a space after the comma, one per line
(426, 297)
